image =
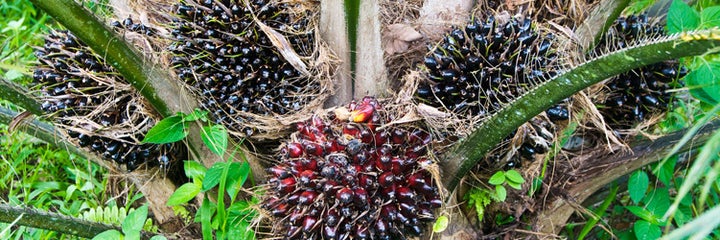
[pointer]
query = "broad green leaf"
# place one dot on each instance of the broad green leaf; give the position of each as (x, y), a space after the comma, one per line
(500, 193)
(681, 17)
(658, 201)
(643, 214)
(183, 194)
(667, 171)
(236, 177)
(441, 224)
(241, 231)
(704, 82)
(194, 170)
(241, 209)
(170, 129)
(213, 175)
(135, 221)
(497, 178)
(514, 185)
(196, 115)
(111, 234)
(132, 236)
(710, 17)
(683, 215)
(638, 185)
(646, 231)
(215, 137)
(514, 176)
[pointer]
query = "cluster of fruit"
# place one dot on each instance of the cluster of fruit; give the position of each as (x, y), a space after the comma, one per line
(74, 83)
(488, 64)
(341, 178)
(222, 53)
(633, 95)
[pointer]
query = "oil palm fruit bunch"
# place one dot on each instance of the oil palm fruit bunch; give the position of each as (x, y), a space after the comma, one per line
(93, 103)
(221, 52)
(477, 69)
(353, 178)
(635, 94)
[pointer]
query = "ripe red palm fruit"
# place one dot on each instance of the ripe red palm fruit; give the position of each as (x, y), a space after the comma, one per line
(362, 182)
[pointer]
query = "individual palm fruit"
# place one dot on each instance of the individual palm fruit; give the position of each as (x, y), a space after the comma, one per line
(221, 52)
(633, 95)
(487, 64)
(353, 178)
(98, 109)
(128, 24)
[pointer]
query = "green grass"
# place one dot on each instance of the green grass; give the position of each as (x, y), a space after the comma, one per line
(36, 174)
(21, 28)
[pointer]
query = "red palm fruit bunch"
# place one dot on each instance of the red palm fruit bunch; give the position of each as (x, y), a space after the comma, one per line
(352, 177)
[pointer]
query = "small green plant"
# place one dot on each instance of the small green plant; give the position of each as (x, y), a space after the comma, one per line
(510, 177)
(479, 198)
(132, 226)
(228, 221)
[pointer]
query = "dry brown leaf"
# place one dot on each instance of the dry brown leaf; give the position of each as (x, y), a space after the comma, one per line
(397, 38)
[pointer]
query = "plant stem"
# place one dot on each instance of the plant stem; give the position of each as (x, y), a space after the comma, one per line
(18, 96)
(52, 221)
(47, 133)
(599, 212)
(465, 155)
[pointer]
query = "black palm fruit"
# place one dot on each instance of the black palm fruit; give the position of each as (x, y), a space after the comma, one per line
(127, 24)
(634, 95)
(340, 179)
(477, 69)
(222, 53)
(74, 82)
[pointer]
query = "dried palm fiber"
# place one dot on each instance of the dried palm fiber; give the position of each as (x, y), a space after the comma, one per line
(256, 66)
(94, 105)
(564, 13)
(360, 171)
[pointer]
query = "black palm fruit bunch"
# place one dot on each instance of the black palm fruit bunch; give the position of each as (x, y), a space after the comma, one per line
(91, 101)
(476, 70)
(221, 52)
(633, 95)
(353, 179)
(487, 64)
